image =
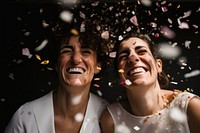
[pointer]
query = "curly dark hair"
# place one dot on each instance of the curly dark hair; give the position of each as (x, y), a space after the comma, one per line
(89, 36)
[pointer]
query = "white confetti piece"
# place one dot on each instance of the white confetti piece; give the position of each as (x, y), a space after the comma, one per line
(128, 82)
(121, 128)
(78, 81)
(105, 35)
(68, 2)
(82, 28)
(79, 117)
(76, 100)
(66, 16)
(136, 128)
(41, 46)
(168, 52)
(177, 115)
(99, 93)
(183, 25)
(120, 38)
(175, 83)
(167, 32)
(146, 2)
(192, 74)
(187, 44)
(112, 54)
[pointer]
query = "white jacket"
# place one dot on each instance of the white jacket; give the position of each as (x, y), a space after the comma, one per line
(38, 116)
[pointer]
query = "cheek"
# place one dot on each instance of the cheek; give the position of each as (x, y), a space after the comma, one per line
(121, 65)
(92, 63)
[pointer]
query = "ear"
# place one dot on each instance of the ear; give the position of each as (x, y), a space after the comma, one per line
(98, 68)
(159, 65)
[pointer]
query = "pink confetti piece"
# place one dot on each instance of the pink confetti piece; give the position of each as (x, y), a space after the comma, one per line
(183, 25)
(96, 85)
(105, 35)
(167, 32)
(26, 52)
(134, 21)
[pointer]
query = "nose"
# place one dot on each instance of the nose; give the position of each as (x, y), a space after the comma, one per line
(133, 57)
(76, 58)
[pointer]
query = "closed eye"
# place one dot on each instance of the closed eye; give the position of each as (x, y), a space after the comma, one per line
(141, 51)
(123, 55)
(66, 50)
(86, 51)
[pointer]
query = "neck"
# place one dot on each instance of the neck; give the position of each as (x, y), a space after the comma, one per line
(70, 103)
(146, 103)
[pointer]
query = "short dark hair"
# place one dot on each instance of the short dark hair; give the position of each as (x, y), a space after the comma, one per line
(90, 37)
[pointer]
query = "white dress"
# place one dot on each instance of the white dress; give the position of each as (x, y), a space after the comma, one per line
(170, 120)
(38, 116)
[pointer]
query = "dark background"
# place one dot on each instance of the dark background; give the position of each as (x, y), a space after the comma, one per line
(24, 79)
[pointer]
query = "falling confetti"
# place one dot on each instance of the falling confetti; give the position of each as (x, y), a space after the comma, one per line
(169, 52)
(66, 16)
(42, 45)
(26, 52)
(177, 115)
(128, 82)
(79, 117)
(121, 128)
(192, 74)
(175, 21)
(105, 35)
(76, 100)
(45, 62)
(167, 32)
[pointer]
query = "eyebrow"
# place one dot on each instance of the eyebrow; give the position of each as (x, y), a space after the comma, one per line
(71, 47)
(126, 50)
(66, 46)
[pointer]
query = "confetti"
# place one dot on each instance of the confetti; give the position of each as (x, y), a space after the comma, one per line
(192, 74)
(112, 54)
(105, 35)
(177, 115)
(136, 128)
(121, 128)
(45, 62)
(79, 117)
(134, 20)
(128, 82)
(76, 100)
(99, 93)
(26, 52)
(147, 3)
(187, 44)
(168, 52)
(96, 85)
(42, 45)
(66, 16)
(74, 31)
(167, 32)
(121, 71)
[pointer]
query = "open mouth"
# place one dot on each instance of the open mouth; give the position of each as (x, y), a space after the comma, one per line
(75, 70)
(136, 70)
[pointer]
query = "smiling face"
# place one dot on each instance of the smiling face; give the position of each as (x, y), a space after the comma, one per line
(76, 64)
(137, 63)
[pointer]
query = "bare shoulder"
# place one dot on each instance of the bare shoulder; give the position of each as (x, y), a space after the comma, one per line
(106, 122)
(194, 115)
(194, 106)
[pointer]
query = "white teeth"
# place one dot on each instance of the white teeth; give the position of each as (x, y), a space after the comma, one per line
(137, 70)
(75, 70)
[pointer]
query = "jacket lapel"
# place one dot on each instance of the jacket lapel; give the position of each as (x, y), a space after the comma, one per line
(43, 110)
